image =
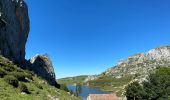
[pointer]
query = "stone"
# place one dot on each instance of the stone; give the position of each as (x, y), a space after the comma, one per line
(14, 29)
(42, 66)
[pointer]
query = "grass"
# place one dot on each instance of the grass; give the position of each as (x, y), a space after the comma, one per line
(37, 87)
(111, 84)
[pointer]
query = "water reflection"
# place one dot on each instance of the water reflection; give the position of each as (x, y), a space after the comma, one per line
(84, 91)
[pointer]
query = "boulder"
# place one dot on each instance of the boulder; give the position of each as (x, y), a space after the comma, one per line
(42, 66)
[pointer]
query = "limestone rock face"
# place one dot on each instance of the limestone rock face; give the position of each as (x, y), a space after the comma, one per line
(14, 29)
(141, 63)
(162, 53)
(42, 66)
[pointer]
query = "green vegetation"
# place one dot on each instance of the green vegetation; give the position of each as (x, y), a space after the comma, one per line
(19, 84)
(134, 91)
(72, 80)
(64, 87)
(157, 87)
(104, 82)
(23, 88)
(11, 80)
(109, 83)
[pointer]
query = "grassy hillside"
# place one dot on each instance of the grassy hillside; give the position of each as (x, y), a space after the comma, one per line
(19, 84)
(72, 80)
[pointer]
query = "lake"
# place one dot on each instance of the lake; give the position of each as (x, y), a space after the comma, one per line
(84, 91)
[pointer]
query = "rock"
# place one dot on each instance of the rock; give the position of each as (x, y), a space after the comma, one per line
(161, 53)
(139, 65)
(91, 77)
(14, 29)
(42, 66)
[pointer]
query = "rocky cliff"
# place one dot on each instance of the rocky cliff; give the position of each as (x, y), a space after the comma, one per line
(141, 64)
(14, 29)
(138, 65)
(42, 66)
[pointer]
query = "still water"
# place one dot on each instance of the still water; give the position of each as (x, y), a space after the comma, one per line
(84, 91)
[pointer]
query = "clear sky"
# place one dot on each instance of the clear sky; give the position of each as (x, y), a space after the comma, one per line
(88, 36)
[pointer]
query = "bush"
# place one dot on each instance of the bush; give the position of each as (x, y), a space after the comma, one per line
(8, 68)
(11, 80)
(29, 76)
(57, 85)
(23, 88)
(64, 87)
(38, 85)
(19, 75)
(2, 73)
(157, 87)
(134, 91)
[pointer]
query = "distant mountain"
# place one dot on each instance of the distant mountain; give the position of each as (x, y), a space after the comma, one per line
(141, 64)
(135, 67)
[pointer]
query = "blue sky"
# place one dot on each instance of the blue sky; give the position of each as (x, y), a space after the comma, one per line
(88, 36)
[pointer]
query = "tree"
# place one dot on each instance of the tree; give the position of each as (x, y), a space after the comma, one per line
(134, 91)
(157, 87)
(78, 90)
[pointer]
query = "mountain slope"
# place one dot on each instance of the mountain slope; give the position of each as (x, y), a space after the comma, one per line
(19, 84)
(141, 64)
(135, 67)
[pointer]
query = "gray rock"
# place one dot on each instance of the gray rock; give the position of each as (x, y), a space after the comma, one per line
(42, 66)
(161, 53)
(14, 29)
(141, 64)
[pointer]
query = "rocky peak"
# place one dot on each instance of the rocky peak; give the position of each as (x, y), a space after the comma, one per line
(14, 29)
(141, 63)
(161, 53)
(42, 66)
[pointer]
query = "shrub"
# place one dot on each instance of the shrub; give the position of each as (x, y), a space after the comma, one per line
(29, 76)
(157, 87)
(57, 85)
(134, 91)
(64, 87)
(11, 80)
(19, 75)
(2, 73)
(23, 88)
(38, 85)
(8, 68)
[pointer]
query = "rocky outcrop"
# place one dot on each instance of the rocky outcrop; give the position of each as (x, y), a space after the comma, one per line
(89, 78)
(42, 66)
(141, 63)
(160, 54)
(14, 29)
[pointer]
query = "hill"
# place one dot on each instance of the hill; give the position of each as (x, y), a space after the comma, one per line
(21, 84)
(135, 67)
(72, 80)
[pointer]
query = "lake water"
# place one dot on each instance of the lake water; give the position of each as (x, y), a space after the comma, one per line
(84, 91)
